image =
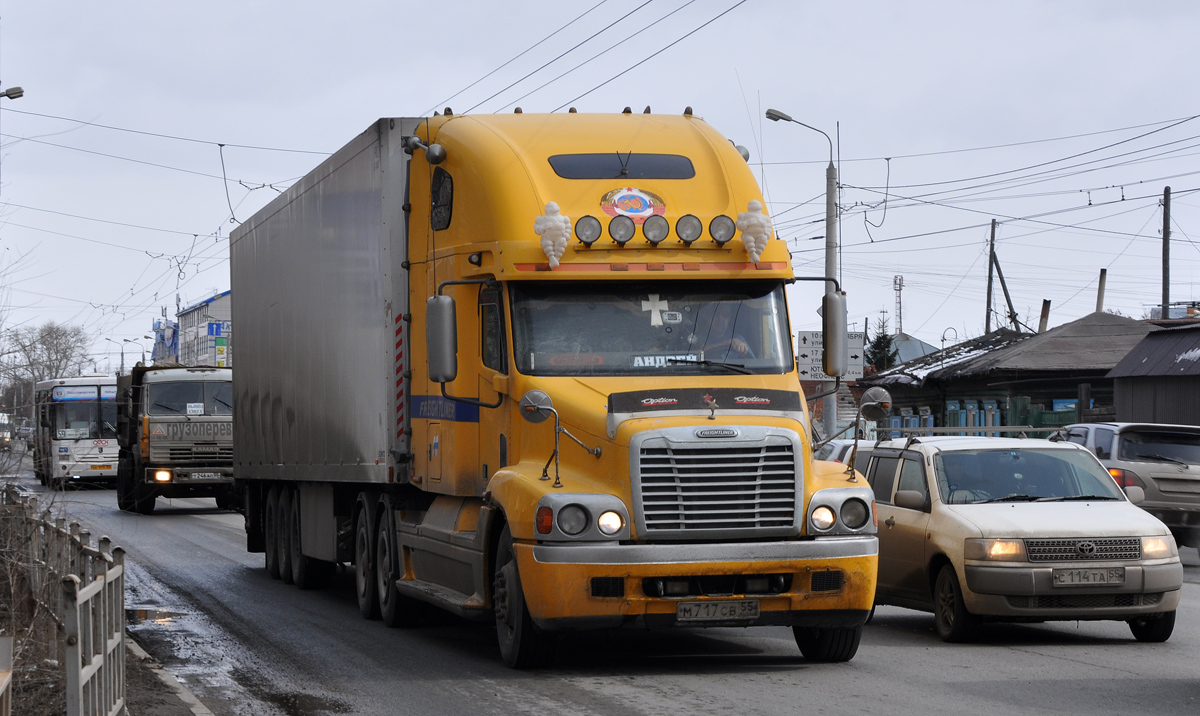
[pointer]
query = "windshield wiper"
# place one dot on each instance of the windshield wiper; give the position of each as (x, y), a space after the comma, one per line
(169, 407)
(1079, 498)
(1164, 458)
(1009, 498)
(222, 402)
(735, 367)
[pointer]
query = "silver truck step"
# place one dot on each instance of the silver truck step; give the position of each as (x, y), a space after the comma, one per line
(466, 606)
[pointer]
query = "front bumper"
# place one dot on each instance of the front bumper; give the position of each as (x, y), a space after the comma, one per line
(87, 472)
(1024, 591)
(560, 581)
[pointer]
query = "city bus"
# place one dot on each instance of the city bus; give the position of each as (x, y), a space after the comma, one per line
(75, 438)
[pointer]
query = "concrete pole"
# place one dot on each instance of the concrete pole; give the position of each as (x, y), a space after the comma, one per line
(1166, 254)
(1100, 290)
(829, 407)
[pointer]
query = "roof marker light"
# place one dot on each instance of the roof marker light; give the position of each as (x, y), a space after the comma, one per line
(655, 229)
(689, 229)
(722, 229)
(621, 229)
(588, 229)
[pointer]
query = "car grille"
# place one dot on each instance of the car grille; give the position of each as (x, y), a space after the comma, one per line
(723, 487)
(1084, 601)
(1073, 550)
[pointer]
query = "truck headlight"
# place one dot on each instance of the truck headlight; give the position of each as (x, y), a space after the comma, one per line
(855, 513)
(162, 475)
(995, 550)
(822, 518)
(610, 523)
(1159, 547)
(572, 519)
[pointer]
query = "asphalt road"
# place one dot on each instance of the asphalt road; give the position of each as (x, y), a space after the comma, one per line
(246, 644)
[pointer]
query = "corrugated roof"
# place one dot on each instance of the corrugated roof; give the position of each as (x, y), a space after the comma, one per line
(1166, 352)
(1096, 342)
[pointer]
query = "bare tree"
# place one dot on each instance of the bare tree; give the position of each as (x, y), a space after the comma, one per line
(43, 352)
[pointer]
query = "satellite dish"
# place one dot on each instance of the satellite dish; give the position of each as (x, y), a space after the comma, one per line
(876, 404)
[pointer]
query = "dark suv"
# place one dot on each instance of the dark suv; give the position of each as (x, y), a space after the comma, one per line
(1163, 460)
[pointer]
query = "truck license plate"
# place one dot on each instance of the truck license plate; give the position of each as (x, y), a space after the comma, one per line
(1088, 577)
(206, 476)
(741, 609)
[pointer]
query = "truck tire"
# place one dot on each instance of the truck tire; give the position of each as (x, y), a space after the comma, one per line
(124, 485)
(522, 644)
(364, 559)
(396, 609)
(828, 644)
(283, 523)
(1153, 628)
(271, 533)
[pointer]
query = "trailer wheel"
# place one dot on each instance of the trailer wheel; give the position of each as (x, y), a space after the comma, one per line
(306, 571)
(284, 530)
(522, 644)
(396, 609)
(271, 533)
(364, 564)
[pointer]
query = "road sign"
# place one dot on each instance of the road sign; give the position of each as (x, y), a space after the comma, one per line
(809, 353)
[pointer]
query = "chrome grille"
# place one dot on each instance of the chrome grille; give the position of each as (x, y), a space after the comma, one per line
(1072, 550)
(190, 453)
(727, 486)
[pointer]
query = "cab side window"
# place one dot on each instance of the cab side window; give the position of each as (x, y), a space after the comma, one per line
(883, 478)
(1104, 441)
(491, 326)
(912, 477)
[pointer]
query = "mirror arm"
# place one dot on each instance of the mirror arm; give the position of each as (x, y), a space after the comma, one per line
(837, 384)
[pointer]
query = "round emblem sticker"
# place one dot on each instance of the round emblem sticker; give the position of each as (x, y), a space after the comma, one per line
(637, 204)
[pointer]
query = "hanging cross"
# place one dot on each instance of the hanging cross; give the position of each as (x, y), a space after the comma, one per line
(657, 307)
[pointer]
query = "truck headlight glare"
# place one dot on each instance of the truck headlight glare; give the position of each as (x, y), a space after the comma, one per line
(588, 229)
(572, 519)
(621, 229)
(721, 229)
(656, 229)
(822, 518)
(855, 514)
(689, 229)
(610, 523)
(162, 475)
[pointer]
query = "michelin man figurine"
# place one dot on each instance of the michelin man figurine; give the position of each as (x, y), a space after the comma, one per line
(755, 228)
(555, 230)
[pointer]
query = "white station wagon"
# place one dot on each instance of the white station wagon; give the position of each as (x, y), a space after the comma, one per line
(1002, 529)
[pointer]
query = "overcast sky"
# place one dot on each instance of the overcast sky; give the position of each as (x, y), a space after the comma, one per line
(1063, 121)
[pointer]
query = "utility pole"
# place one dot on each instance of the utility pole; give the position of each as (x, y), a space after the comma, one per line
(1012, 312)
(898, 285)
(987, 322)
(1166, 284)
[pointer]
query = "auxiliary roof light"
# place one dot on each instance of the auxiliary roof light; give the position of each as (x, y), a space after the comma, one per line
(689, 229)
(656, 228)
(588, 229)
(721, 229)
(621, 229)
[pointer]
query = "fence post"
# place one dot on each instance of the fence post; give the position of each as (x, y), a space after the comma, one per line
(74, 659)
(6, 654)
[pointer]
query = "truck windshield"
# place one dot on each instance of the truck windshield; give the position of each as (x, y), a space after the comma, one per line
(1022, 475)
(1160, 446)
(83, 419)
(650, 327)
(190, 398)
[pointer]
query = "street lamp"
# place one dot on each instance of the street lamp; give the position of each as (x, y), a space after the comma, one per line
(122, 343)
(829, 408)
(13, 93)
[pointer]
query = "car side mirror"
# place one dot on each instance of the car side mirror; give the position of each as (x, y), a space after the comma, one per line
(1135, 494)
(910, 500)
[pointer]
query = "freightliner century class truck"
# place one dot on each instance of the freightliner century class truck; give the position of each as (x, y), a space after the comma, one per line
(536, 370)
(175, 432)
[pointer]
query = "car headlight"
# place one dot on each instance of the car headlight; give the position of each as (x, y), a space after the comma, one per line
(1159, 547)
(822, 518)
(995, 550)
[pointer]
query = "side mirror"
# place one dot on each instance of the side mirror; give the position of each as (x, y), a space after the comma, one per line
(833, 334)
(876, 404)
(910, 500)
(441, 339)
(536, 406)
(1135, 494)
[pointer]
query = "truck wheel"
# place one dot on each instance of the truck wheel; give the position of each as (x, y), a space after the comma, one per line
(124, 488)
(828, 644)
(396, 609)
(951, 618)
(522, 644)
(271, 533)
(284, 530)
(364, 562)
(1154, 628)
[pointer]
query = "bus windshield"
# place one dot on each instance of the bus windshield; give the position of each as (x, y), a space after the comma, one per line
(650, 327)
(78, 420)
(190, 398)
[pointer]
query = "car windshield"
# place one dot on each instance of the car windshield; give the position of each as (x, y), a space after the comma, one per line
(190, 398)
(1021, 475)
(1159, 446)
(644, 327)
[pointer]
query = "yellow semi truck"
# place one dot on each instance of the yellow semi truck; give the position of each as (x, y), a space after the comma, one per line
(536, 370)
